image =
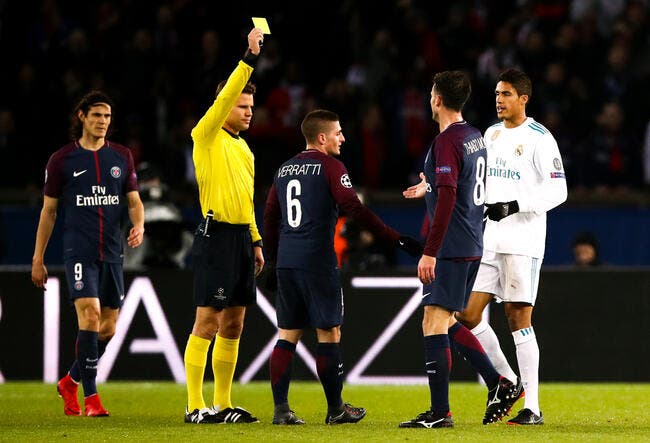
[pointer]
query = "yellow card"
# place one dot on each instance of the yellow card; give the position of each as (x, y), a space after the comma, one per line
(260, 22)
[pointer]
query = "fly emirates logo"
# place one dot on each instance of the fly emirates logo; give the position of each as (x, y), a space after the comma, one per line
(500, 169)
(98, 198)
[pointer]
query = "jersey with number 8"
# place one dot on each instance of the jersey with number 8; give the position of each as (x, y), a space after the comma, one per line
(458, 159)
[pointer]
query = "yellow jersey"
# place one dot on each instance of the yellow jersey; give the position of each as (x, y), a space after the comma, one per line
(223, 162)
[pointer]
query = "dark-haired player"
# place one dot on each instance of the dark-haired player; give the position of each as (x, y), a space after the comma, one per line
(525, 179)
(301, 212)
(454, 190)
(93, 177)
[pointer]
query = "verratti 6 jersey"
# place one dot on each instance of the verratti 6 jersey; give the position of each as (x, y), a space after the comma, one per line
(302, 208)
(91, 187)
(524, 164)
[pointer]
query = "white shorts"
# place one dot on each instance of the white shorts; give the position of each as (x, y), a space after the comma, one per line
(511, 278)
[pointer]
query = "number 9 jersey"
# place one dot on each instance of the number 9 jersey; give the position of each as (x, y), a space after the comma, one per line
(457, 159)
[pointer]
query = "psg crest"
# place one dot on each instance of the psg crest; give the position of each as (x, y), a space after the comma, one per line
(116, 172)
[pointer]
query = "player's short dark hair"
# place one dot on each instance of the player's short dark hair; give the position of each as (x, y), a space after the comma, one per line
(250, 88)
(85, 103)
(519, 80)
(316, 122)
(453, 87)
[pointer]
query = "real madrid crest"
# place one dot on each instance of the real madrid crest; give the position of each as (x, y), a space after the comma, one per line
(496, 134)
(519, 150)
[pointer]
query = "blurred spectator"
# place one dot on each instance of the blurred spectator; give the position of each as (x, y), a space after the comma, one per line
(585, 250)
(166, 240)
(358, 249)
(373, 145)
(162, 64)
(608, 158)
(501, 54)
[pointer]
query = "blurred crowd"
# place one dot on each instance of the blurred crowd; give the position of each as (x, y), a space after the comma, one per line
(371, 62)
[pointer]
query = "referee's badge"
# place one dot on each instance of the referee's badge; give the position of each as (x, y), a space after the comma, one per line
(496, 134)
(519, 150)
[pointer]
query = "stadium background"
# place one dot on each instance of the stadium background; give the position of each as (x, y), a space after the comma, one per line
(370, 62)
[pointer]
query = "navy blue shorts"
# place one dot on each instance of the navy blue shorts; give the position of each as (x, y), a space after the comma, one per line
(308, 299)
(94, 278)
(453, 284)
(224, 266)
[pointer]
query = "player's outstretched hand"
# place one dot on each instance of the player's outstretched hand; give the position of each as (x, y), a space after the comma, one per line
(268, 278)
(410, 245)
(498, 211)
(418, 190)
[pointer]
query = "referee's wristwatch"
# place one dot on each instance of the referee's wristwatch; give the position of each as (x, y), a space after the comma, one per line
(258, 243)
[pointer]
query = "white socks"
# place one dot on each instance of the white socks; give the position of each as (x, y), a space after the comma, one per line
(528, 359)
(488, 339)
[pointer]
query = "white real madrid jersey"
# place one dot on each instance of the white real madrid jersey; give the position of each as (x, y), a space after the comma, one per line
(523, 164)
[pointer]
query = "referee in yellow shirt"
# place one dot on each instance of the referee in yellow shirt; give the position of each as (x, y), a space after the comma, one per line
(227, 249)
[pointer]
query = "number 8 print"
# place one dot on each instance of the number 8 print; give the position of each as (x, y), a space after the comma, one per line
(479, 187)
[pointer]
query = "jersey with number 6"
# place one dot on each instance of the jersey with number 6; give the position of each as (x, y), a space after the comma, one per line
(457, 159)
(302, 208)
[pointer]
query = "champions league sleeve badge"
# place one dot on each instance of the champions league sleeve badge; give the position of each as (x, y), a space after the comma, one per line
(345, 181)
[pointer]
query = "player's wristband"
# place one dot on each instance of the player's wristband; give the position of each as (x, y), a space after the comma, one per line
(258, 243)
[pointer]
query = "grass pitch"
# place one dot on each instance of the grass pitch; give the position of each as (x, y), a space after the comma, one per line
(142, 411)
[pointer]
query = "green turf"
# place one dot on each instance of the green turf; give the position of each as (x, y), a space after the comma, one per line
(142, 411)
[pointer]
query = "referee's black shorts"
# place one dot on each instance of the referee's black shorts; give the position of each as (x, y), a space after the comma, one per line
(224, 266)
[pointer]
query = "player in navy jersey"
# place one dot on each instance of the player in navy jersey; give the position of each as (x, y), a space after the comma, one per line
(454, 189)
(93, 178)
(302, 208)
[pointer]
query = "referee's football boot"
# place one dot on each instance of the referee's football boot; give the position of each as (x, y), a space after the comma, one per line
(235, 415)
(500, 400)
(347, 414)
(286, 417)
(527, 417)
(93, 407)
(429, 419)
(201, 416)
(67, 389)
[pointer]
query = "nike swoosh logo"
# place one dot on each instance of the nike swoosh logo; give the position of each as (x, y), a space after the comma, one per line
(77, 174)
(424, 295)
(401, 243)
